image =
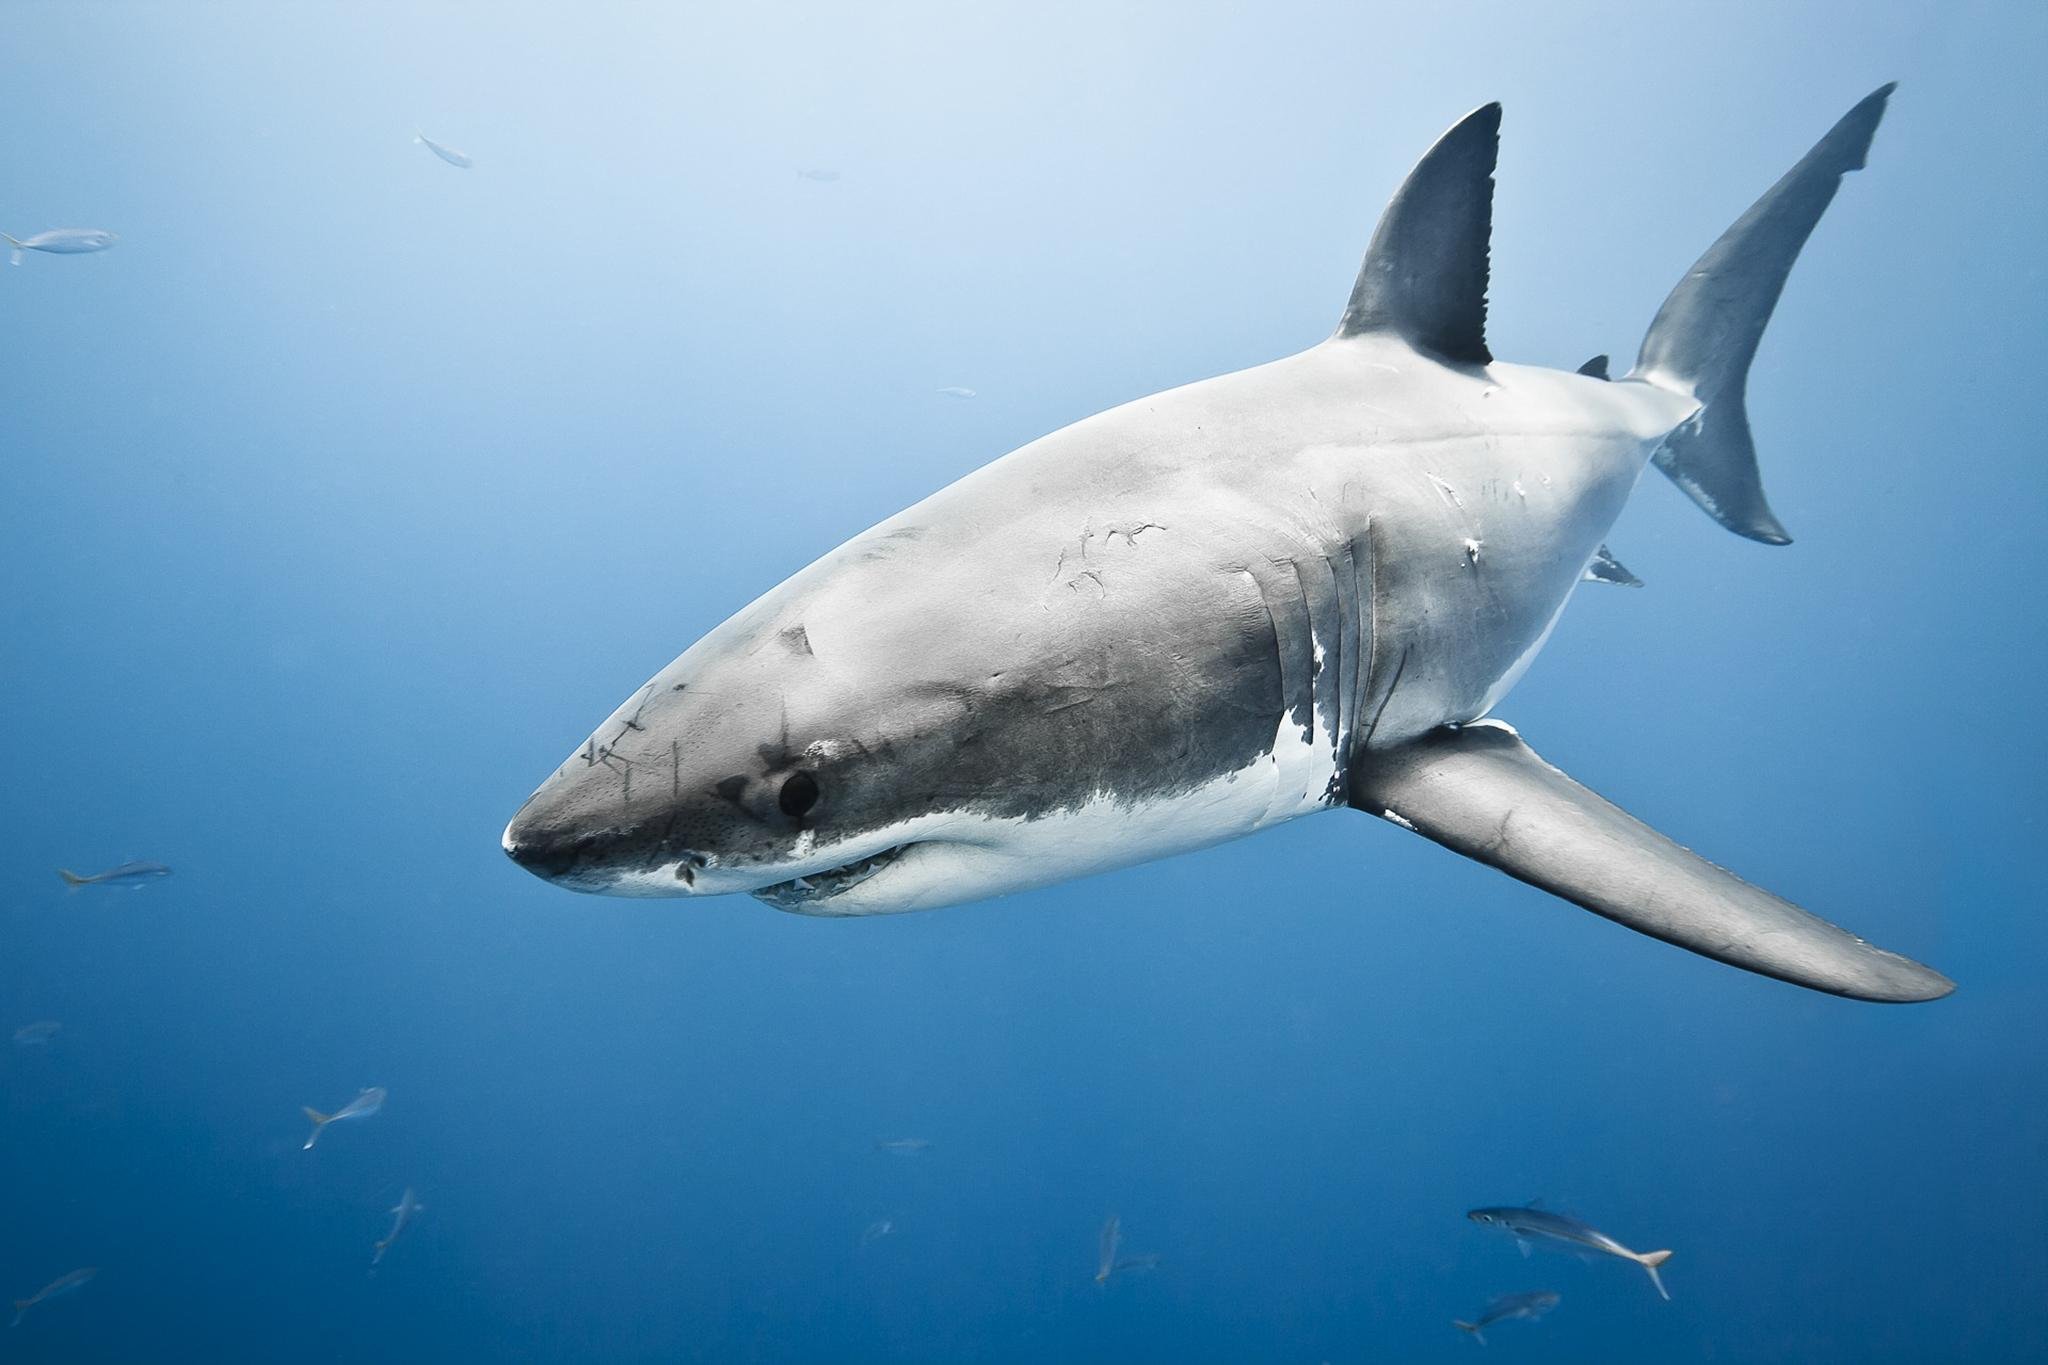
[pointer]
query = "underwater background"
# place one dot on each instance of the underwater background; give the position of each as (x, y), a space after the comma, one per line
(350, 488)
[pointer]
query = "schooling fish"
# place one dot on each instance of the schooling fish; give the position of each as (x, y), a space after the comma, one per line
(62, 1285)
(365, 1104)
(37, 1034)
(1540, 1225)
(447, 154)
(903, 1146)
(1508, 1308)
(127, 874)
(61, 242)
(402, 1213)
(1111, 1238)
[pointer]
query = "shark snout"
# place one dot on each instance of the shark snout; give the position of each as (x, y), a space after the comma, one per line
(567, 848)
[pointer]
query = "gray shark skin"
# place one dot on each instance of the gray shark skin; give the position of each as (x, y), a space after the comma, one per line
(1301, 586)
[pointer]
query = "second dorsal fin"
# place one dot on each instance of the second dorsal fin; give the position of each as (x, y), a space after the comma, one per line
(1424, 277)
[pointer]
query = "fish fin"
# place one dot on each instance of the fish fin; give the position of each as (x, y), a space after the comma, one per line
(1596, 368)
(14, 257)
(1473, 1328)
(1522, 1245)
(1650, 1260)
(1478, 790)
(319, 1120)
(1605, 568)
(1705, 336)
(1425, 274)
(70, 878)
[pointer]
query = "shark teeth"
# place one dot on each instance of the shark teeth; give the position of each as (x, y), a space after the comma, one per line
(799, 892)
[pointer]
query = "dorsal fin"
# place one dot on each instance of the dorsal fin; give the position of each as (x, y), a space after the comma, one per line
(1596, 368)
(1424, 277)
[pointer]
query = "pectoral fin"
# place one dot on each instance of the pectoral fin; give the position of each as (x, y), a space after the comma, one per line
(1480, 791)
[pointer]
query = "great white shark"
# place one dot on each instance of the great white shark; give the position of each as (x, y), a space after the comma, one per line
(1299, 587)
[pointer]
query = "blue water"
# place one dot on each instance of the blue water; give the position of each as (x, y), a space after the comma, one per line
(350, 489)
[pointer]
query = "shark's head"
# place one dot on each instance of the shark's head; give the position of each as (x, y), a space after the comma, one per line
(896, 728)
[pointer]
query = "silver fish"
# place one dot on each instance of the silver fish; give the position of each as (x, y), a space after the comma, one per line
(955, 391)
(821, 175)
(876, 1231)
(1106, 1244)
(127, 874)
(903, 1146)
(1529, 1225)
(61, 242)
(63, 1284)
(402, 1213)
(1528, 1307)
(447, 154)
(366, 1103)
(37, 1034)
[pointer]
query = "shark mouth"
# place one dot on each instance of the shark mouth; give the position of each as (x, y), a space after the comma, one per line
(800, 893)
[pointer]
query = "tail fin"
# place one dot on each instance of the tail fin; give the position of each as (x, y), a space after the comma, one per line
(21, 1307)
(1649, 1261)
(320, 1121)
(1473, 1328)
(70, 878)
(1705, 335)
(14, 258)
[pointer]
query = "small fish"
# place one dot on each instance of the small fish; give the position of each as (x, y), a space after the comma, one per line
(1130, 1264)
(402, 1213)
(821, 175)
(61, 242)
(903, 1146)
(1540, 1225)
(955, 391)
(37, 1034)
(1106, 1245)
(366, 1103)
(63, 1284)
(447, 154)
(1508, 1308)
(127, 874)
(876, 1231)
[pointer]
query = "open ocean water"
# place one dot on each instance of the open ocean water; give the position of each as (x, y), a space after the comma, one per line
(351, 486)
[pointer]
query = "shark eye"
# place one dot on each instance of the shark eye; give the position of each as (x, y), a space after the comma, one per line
(799, 793)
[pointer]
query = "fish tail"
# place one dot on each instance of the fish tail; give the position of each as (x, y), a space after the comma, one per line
(15, 242)
(21, 1306)
(1705, 336)
(320, 1121)
(1471, 1327)
(70, 878)
(1649, 1261)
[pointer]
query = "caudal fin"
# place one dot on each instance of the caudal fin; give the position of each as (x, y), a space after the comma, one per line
(14, 258)
(1706, 334)
(70, 878)
(1471, 1327)
(319, 1120)
(21, 1307)
(1649, 1261)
